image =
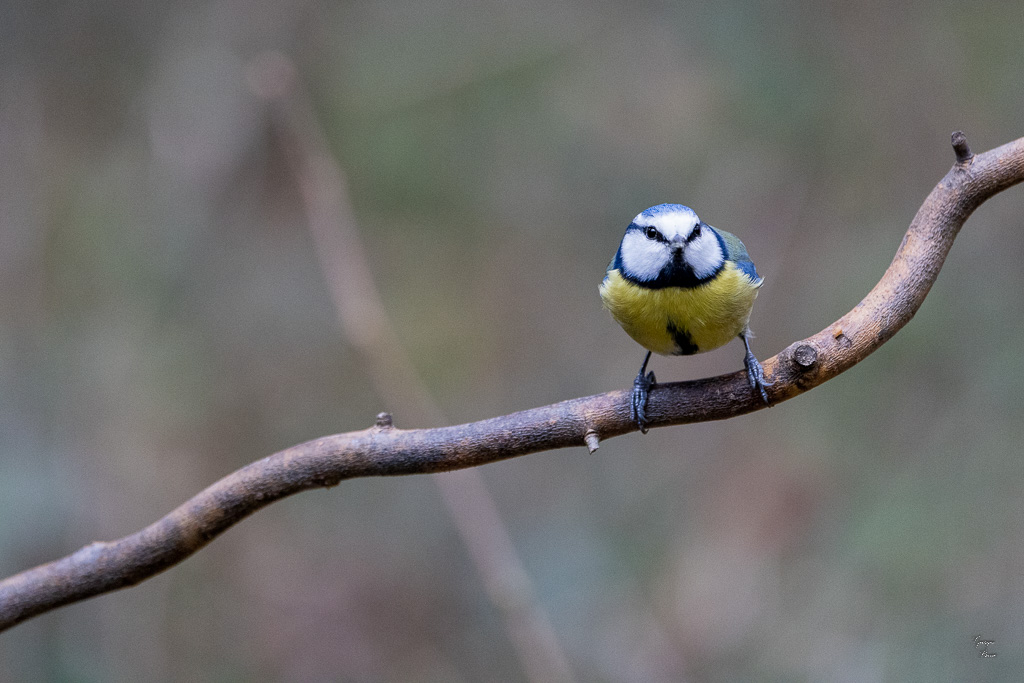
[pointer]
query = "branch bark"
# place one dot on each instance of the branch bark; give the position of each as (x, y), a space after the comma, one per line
(385, 450)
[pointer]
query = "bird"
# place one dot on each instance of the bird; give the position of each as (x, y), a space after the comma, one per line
(678, 286)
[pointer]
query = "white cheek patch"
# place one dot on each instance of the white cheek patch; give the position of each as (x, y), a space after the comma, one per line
(704, 255)
(643, 259)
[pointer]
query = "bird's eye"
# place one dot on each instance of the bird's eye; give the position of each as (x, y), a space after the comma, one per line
(696, 232)
(651, 232)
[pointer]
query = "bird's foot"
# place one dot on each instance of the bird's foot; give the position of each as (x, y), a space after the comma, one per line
(755, 375)
(638, 406)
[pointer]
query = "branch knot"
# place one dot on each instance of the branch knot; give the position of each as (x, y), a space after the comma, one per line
(805, 357)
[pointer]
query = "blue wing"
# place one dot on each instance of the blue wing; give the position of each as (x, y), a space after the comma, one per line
(737, 253)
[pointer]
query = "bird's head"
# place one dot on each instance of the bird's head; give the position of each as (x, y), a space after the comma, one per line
(669, 246)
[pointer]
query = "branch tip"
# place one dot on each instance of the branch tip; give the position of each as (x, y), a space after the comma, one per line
(593, 440)
(962, 149)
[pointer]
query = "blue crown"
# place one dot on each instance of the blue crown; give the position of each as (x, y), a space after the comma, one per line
(666, 208)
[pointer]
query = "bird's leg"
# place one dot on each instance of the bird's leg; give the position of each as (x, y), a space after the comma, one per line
(641, 387)
(755, 373)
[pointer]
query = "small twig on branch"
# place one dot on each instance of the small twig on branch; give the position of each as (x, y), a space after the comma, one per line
(962, 149)
(385, 450)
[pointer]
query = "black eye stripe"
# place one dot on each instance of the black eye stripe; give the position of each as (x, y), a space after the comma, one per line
(652, 233)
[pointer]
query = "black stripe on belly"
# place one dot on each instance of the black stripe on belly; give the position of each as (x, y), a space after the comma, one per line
(682, 339)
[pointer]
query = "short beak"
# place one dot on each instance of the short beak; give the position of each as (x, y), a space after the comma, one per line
(678, 242)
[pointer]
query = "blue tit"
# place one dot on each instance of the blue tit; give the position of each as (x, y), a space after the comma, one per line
(679, 286)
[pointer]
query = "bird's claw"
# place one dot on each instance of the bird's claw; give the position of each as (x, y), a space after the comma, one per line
(638, 406)
(755, 375)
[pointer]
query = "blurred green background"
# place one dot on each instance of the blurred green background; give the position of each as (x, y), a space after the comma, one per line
(164, 320)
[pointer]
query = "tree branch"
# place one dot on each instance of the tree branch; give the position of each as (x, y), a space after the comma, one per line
(385, 450)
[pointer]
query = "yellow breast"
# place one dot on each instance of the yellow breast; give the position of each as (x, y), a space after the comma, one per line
(677, 320)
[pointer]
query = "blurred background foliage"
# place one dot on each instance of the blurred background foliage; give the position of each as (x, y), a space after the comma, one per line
(164, 320)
